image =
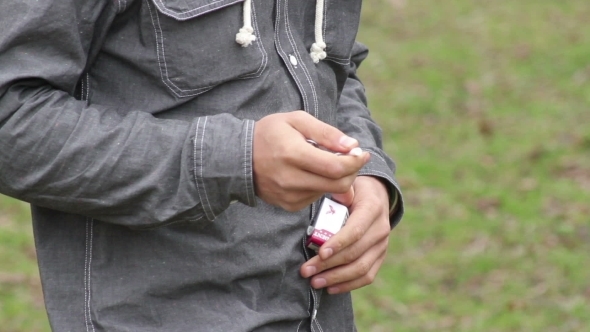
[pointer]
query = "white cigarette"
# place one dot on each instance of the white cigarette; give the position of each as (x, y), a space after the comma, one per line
(355, 152)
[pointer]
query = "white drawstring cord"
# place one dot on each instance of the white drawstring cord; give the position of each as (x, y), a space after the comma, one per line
(246, 35)
(318, 49)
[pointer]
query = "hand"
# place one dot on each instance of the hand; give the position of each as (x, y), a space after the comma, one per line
(352, 257)
(291, 173)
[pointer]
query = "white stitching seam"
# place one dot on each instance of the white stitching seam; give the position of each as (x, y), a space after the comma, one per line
(312, 329)
(86, 277)
(90, 272)
(248, 159)
(164, 71)
(251, 188)
(309, 296)
(258, 73)
(337, 58)
(340, 61)
(293, 74)
(317, 322)
(244, 166)
(278, 42)
(185, 15)
(82, 87)
(377, 173)
(294, 46)
(87, 87)
(299, 326)
(195, 166)
(158, 49)
(316, 307)
(202, 179)
(118, 6)
(325, 21)
(124, 5)
(376, 155)
(87, 274)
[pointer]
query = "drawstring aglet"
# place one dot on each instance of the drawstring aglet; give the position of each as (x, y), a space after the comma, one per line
(245, 37)
(318, 52)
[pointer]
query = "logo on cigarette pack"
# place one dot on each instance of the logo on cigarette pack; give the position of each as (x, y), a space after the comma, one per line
(328, 221)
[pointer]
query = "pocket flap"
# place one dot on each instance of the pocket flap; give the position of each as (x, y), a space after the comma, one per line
(186, 9)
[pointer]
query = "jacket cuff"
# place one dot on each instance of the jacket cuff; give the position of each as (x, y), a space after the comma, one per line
(379, 168)
(223, 162)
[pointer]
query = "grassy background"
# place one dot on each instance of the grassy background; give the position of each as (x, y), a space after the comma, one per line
(484, 105)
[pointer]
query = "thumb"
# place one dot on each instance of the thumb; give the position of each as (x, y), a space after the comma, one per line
(321, 132)
(346, 198)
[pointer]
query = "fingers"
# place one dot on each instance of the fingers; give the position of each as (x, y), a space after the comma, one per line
(356, 274)
(321, 132)
(376, 237)
(298, 189)
(356, 226)
(327, 164)
(361, 281)
(293, 201)
(306, 181)
(352, 257)
(346, 198)
(369, 211)
(289, 172)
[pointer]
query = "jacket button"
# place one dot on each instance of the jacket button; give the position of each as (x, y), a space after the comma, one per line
(293, 60)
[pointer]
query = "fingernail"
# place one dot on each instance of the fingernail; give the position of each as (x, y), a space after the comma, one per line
(309, 271)
(356, 152)
(333, 290)
(326, 253)
(319, 283)
(347, 142)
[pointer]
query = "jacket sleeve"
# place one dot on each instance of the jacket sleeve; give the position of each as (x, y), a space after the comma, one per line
(354, 119)
(62, 153)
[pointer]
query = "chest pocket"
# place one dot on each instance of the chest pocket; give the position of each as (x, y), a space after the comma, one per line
(341, 24)
(195, 44)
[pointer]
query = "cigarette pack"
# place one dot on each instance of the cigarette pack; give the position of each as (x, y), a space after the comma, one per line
(330, 218)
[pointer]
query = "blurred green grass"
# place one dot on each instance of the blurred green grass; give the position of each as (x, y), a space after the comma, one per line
(21, 299)
(484, 106)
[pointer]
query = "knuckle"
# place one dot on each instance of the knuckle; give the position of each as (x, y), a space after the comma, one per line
(340, 243)
(341, 187)
(357, 233)
(301, 113)
(369, 278)
(385, 232)
(290, 207)
(324, 266)
(351, 255)
(294, 203)
(363, 268)
(326, 131)
(298, 115)
(372, 275)
(335, 170)
(290, 199)
(284, 206)
(283, 153)
(285, 181)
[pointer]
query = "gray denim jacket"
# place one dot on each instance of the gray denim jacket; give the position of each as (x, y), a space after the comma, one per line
(127, 124)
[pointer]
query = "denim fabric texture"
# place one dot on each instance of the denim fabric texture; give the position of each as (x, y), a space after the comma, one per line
(128, 126)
